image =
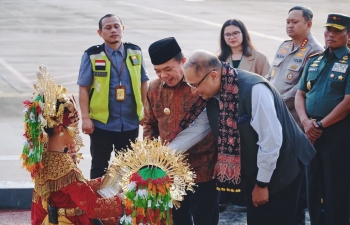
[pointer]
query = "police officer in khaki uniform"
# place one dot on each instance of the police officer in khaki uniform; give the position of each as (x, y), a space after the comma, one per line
(291, 56)
(323, 105)
(287, 67)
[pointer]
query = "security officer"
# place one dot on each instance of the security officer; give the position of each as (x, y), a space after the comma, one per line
(112, 87)
(291, 56)
(323, 105)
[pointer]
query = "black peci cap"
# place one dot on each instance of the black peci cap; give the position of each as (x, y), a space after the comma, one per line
(339, 21)
(163, 50)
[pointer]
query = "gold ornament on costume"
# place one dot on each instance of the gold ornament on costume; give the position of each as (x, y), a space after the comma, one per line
(166, 111)
(46, 87)
(53, 178)
(110, 186)
(308, 85)
(151, 153)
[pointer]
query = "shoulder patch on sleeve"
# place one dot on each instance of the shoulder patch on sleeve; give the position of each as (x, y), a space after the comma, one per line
(315, 54)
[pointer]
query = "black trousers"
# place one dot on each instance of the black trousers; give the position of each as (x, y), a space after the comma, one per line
(281, 207)
(329, 177)
(200, 207)
(103, 142)
(239, 198)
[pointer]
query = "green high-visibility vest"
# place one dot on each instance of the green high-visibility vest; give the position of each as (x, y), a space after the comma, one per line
(101, 69)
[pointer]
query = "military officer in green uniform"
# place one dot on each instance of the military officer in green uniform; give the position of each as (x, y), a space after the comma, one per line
(323, 105)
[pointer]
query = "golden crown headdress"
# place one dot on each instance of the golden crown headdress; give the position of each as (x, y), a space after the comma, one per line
(49, 107)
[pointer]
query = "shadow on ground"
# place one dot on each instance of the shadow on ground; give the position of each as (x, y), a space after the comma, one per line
(236, 215)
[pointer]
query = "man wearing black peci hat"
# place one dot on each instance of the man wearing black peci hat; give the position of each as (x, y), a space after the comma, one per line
(323, 105)
(168, 100)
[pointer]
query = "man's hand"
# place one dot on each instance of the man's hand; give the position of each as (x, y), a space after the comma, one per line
(312, 130)
(260, 196)
(87, 126)
(141, 121)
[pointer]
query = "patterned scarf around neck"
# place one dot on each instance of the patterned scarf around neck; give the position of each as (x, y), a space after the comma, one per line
(229, 151)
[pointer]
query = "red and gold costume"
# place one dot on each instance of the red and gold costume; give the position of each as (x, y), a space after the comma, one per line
(57, 180)
(179, 99)
(71, 193)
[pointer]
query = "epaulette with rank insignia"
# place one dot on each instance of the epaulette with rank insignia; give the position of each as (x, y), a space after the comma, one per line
(286, 41)
(93, 47)
(313, 55)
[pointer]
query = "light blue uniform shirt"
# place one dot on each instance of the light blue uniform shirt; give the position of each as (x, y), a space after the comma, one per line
(122, 115)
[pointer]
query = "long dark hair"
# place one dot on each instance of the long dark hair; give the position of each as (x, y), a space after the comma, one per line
(49, 130)
(247, 46)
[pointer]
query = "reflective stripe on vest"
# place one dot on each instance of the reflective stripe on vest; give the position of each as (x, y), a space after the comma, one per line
(135, 74)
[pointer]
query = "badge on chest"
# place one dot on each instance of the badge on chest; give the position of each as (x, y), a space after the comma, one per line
(340, 67)
(120, 93)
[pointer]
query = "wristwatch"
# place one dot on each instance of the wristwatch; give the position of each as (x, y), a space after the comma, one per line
(319, 123)
(261, 184)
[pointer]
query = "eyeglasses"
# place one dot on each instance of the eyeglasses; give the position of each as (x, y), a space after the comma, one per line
(197, 85)
(234, 34)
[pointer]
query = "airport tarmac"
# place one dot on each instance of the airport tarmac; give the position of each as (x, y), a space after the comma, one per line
(57, 32)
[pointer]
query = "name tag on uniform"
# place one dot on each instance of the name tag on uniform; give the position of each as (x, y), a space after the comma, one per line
(100, 74)
(340, 67)
(313, 68)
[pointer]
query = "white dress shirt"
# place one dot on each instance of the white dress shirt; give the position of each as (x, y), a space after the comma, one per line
(264, 121)
(191, 135)
(266, 124)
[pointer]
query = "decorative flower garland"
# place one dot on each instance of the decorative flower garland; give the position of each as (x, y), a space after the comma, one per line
(148, 201)
(35, 139)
